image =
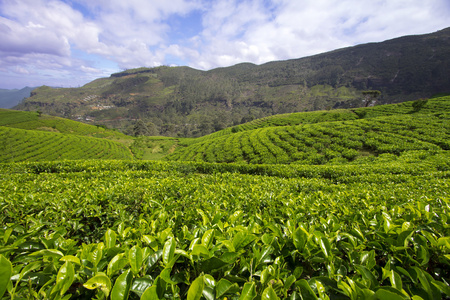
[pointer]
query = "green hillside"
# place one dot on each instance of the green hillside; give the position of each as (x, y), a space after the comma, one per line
(329, 137)
(33, 145)
(184, 102)
(37, 121)
(31, 136)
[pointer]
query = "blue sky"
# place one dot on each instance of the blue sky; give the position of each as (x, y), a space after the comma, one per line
(71, 42)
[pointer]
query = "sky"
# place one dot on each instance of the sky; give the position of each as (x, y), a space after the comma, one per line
(68, 43)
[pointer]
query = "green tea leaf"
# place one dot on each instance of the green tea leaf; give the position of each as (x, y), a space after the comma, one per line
(321, 289)
(48, 252)
(165, 275)
(209, 280)
(168, 251)
(201, 250)
(248, 291)
(396, 280)
(7, 234)
(116, 264)
(196, 289)
(110, 239)
(269, 294)
(444, 242)
(150, 294)
(367, 275)
(306, 292)
(208, 293)
(265, 276)
(154, 258)
(207, 238)
(140, 285)
(289, 281)
(135, 259)
(151, 241)
(325, 246)
(442, 287)
(5, 274)
(71, 258)
(64, 278)
(224, 287)
(298, 271)
(423, 255)
(100, 281)
(300, 237)
(122, 286)
(212, 263)
(95, 256)
(390, 293)
(264, 255)
(242, 239)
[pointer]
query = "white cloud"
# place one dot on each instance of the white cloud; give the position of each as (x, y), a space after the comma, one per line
(46, 36)
(237, 31)
(17, 39)
(90, 70)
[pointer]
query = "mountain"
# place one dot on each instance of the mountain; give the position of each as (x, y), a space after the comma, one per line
(10, 98)
(181, 101)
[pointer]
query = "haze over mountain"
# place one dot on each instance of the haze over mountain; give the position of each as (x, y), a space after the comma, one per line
(188, 102)
(10, 98)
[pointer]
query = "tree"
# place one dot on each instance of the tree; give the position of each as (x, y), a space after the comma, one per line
(418, 104)
(152, 129)
(140, 128)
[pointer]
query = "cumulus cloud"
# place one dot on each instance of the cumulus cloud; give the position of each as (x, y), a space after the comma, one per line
(43, 34)
(47, 36)
(258, 31)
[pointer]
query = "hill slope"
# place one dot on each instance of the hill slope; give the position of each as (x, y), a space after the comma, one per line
(38, 121)
(329, 137)
(32, 145)
(187, 102)
(31, 136)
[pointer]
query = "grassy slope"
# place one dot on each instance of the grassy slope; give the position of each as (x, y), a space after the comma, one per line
(33, 145)
(26, 136)
(32, 121)
(328, 136)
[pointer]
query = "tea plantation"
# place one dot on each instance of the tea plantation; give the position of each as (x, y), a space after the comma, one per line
(313, 206)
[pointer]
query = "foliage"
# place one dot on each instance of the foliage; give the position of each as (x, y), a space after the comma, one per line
(158, 230)
(419, 104)
(152, 148)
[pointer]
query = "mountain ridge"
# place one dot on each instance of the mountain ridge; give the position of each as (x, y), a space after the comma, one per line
(11, 97)
(182, 101)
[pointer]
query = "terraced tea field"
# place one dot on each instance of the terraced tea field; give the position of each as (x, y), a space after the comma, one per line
(31, 145)
(324, 140)
(324, 205)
